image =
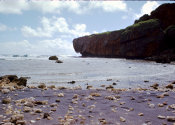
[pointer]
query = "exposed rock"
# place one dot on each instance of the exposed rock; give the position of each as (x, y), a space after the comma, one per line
(59, 61)
(53, 58)
(171, 118)
(12, 80)
(71, 82)
(6, 100)
(155, 85)
(170, 86)
(42, 86)
(133, 42)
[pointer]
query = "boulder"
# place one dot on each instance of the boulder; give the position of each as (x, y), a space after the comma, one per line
(12, 80)
(135, 41)
(53, 58)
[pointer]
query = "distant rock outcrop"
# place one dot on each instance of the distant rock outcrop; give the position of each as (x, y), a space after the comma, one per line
(53, 58)
(149, 36)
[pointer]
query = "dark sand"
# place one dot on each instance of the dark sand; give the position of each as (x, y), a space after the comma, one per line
(103, 107)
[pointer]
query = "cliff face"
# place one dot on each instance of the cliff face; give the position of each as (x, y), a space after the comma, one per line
(143, 39)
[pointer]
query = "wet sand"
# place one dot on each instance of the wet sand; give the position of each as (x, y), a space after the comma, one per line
(54, 106)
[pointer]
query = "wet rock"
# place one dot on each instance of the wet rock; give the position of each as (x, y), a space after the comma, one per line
(53, 58)
(57, 100)
(46, 115)
(6, 100)
(155, 85)
(22, 81)
(170, 86)
(140, 114)
(114, 83)
(5, 91)
(95, 94)
(172, 106)
(21, 122)
(161, 117)
(53, 104)
(26, 109)
(122, 119)
(61, 95)
(42, 86)
(16, 117)
(109, 87)
(89, 87)
(58, 61)
(170, 118)
(36, 110)
(72, 82)
(160, 105)
(110, 98)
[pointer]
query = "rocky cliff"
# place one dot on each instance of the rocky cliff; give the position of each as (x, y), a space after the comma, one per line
(147, 37)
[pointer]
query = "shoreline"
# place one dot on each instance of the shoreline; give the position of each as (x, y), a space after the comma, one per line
(52, 105)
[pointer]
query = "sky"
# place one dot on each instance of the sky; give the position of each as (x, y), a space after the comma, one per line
(44, 27)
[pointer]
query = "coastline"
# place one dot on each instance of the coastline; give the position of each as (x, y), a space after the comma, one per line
(44, 105)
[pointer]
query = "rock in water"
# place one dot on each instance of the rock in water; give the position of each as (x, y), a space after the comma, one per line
(53, 58)
(59, 61)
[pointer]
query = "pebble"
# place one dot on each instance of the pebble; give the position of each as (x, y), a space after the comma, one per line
(160, 105)
(53, 104)
(57, 100)
(6, 101)
(172, 106)
(42, 86)
(122, 119)
(37, 110)
(89, 87)
(110, 97)
(95, 94)
(140, 114)
(61, 95)
(171, 118)
(75, 96)
(161, 117)
(26, 109)
(155, 85)
(21, 122)
(15, 118)
(5, 91)
(32, 121)
(45, 115)
(151, 105)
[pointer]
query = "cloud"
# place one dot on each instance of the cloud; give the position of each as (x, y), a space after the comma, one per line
(78, 7)
(50, 46)
(13, 6)
(50, 26)
(109, 6)
(6, 28)
(147, 8)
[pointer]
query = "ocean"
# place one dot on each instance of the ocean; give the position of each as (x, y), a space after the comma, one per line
(87, 71)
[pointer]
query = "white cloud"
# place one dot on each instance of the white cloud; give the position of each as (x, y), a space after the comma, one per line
(13, 6)
(6, 28)
(50, 46)
(109, 6)
(54, 25)
(147, 8)
(78, 7)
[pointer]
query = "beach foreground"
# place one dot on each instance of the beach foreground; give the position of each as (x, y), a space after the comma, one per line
(44, 105)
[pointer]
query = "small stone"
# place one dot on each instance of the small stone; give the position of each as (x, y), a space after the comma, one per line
(38, 118)
(21, 122)
(6, 101)
(151, 105)
(170, 86)
(53, 104)
(5, 91)
(172, 106)
(102, 86)
(72, 82)
(89, 87)
(122, 119)
(95, 94)
(140, 114)
(155, 85)
(37, 110)
(165, 94)
(61, 95)
(26, 109)
(160, 96)
(171, 118)
(8, 123)
(110, 98)
(54, 109)
(32, 121)
(57, 100)
(114, 83)
(46, 115)
(160, 105)
(42, 86)
(161, 117)
(49, 118)
(75, 96)
(15, 118)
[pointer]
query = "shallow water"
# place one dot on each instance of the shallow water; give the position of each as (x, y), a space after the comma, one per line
(91, 71)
